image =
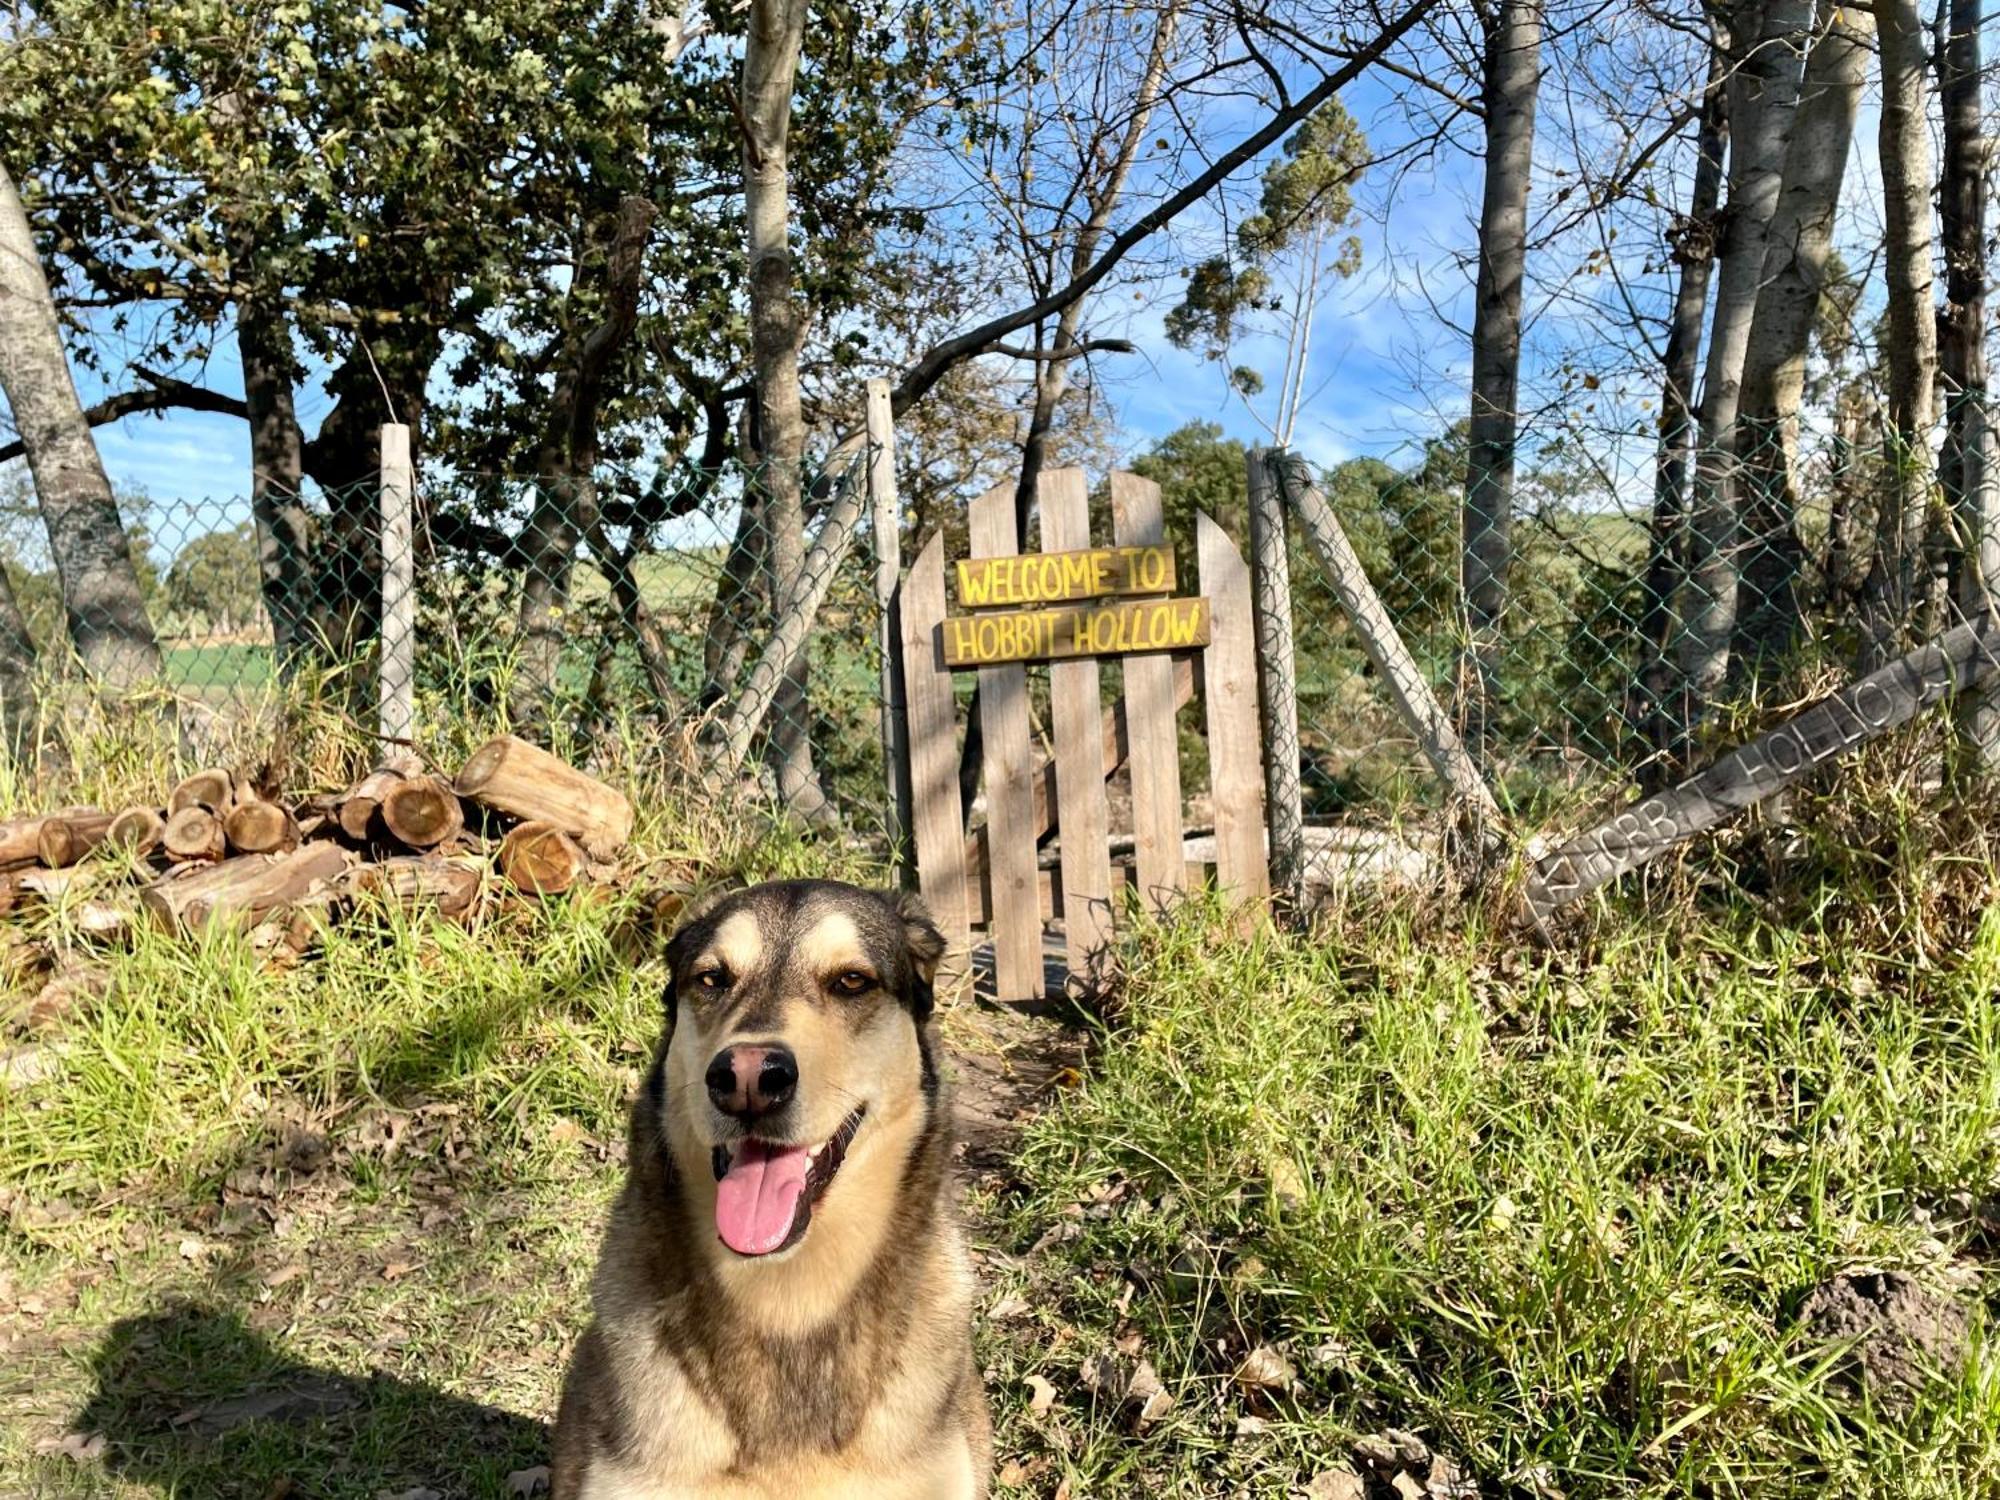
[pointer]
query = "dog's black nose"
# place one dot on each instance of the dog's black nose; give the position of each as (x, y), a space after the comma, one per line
(750, 1081)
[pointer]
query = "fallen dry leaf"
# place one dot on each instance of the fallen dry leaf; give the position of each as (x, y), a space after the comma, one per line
(1264, 1369)
(78, 1447)
(1336, 1484)
(1012, 1305)
(1407, 1486)
(1041, 1395)
(526, 1482)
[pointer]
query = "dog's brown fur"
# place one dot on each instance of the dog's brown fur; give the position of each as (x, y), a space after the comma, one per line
(842, 1368)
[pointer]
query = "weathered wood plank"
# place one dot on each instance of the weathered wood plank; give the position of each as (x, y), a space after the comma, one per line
(887, 509)
(1075, 630)
(1961, 658)
(1051, 576)
(1138, 519)
(1235, 765)
(396, 712)
(1415, 702)
(1009, 771)
(1117, 750)
(936, 823)
(1082, 809)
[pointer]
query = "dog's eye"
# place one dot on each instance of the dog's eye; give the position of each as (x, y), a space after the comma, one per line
(712, 979)
(854, 982)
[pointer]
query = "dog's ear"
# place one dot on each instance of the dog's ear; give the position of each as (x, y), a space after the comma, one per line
(924, 945)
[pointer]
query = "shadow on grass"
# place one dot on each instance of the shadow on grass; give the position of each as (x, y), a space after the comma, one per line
(192, 1401)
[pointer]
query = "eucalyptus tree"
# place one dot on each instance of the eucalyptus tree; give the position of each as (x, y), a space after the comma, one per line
(100, 587)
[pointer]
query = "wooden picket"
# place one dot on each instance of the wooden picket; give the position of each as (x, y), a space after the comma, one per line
(1082, 809)
(938, 829)
(993, 874)
(1229, 689)
(1009, 775)
(1138, 519)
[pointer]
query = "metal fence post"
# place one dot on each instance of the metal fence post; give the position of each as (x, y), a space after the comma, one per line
(888, 512)
(1277, 676)
(396, 672)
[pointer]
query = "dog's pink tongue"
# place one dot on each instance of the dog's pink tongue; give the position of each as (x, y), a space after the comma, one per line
(756, 1202)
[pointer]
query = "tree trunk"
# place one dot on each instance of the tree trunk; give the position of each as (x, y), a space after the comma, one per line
(1694, 252)
(1767, 53)
(1970, 456)
(1513, 75)
(566, 495)
(1902, 602)
(1798, 246)
(777, 328)
(100, 587)
(277, 475)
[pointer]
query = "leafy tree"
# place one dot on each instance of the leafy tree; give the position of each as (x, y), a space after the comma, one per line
(214, 578)
(1282, 257)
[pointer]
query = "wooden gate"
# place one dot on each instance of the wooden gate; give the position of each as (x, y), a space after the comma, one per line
(1069, 605)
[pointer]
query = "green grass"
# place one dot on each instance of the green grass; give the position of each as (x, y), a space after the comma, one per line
(1556, 1215)
(210, 666)
(1553, 1208)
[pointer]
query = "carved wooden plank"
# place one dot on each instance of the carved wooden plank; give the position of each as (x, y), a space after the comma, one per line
(937, 824)
(1076, 630)
(1961, 658)
(1003, 698)
(1050, 576)
(1235, 766)
(1137, 519)
(1117, 750)
(1082, 808)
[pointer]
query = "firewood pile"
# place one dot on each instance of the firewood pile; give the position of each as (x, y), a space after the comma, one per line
(515, 822)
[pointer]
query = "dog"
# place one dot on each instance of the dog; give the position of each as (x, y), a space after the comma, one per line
(783, 1304)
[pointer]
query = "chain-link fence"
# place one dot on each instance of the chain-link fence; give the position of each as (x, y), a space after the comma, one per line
(1614, 633)
(1622, 631)
(571, 606)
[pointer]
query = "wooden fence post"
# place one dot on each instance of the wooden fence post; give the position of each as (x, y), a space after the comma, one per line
(888, 569)
(1414, 700)
(937, 823)
(396, 669)
(1277, 677)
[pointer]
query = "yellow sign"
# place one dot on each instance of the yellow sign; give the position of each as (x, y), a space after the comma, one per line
(1049, 577)
(1079, 630)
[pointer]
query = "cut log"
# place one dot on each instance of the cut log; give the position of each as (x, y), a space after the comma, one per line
(212, 789)
(540, 858)
(244, 890)
(21, 838)
(512, 776)
(194, 833)
(260, 828)
(423, 812)
(358, 809)
(65, 840)
(137, 830)
(452, 886)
